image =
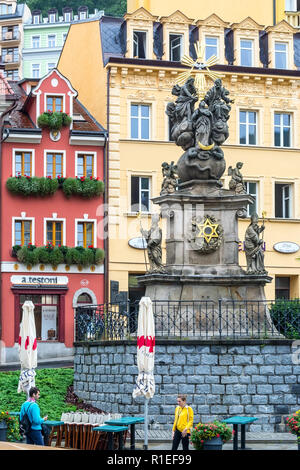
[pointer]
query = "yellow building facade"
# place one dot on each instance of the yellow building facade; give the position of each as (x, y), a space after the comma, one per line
(124, 71)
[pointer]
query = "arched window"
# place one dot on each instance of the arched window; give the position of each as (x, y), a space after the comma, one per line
(84, 298)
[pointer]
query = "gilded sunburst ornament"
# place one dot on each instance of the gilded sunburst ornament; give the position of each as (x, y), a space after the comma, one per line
(199, 68)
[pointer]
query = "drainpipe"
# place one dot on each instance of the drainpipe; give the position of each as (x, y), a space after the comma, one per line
(106, 196)
(2, 139)
(274, 12)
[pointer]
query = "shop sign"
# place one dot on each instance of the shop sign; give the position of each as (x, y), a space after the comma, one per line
(138, 242)
(286, 247)
(40, 280)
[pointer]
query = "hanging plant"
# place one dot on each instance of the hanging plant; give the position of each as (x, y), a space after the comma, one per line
(86, 187)
(54, 121)
(32, 186)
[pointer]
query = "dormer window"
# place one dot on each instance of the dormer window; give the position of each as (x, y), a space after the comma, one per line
(54, 104)
(211, 46)
(5, 9)
(247, 52)
(82, 13)
(139, 44)
(52, 18)
(281, 55)
(68, 17)
(176, 47)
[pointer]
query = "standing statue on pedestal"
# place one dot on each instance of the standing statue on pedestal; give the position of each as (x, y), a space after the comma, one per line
(253, 247)
(153, 238)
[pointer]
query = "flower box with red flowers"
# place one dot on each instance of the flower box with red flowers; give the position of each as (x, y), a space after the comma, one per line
(203, 432)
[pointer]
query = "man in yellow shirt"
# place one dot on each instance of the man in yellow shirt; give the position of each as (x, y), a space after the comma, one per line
(183, 422)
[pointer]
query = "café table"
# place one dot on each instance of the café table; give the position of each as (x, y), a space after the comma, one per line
(127, 421)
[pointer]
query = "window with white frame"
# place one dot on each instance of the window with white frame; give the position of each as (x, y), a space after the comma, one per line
(52, 18)
(68, 17)
(281, 55)
(51, 40)
(176, 47)
(283, 200)
(211, 46)
(54, 164)
(140, 121)
(282, 130)
(248, 127)
(85, 165)
(35, 42)
(82, 15)
(140, 194)
(51, 66)
(22, 232)
(36, 19)
(246, 52)
(252, 189)
(23, 163)
(290, 5)
(35, 70)
(139, 44)
(85, 234)
(54, 232)
(5, 9)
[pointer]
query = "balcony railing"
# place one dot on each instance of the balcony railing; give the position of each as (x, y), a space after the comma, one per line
(203, 319)
(293, 18)
(10, 36)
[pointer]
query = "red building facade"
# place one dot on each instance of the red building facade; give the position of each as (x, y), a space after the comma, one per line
(52, 247)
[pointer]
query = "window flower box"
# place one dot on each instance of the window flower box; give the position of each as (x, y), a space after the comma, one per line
(54, 121)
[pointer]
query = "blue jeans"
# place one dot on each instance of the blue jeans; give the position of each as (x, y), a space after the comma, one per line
(35, 437)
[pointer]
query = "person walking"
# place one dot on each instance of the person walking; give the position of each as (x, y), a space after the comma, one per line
(183, 422)
(33, 412)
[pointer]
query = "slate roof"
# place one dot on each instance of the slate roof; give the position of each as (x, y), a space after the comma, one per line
(113, 40)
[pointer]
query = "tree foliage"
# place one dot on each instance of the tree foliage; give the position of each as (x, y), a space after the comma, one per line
(110, 7)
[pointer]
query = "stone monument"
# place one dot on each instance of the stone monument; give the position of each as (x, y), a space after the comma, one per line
(202, 243)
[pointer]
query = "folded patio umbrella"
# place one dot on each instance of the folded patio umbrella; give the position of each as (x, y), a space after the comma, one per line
(145, 384)
(27, 348)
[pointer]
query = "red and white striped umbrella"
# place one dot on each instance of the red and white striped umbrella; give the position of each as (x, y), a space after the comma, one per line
(27, 348)
(145, 384)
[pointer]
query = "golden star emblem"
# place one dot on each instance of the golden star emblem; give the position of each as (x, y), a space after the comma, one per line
(208, 230)
(198, 69)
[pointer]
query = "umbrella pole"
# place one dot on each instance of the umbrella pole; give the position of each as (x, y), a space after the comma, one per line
(146, 425)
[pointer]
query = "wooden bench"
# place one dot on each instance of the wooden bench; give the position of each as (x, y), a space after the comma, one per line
(242, 421)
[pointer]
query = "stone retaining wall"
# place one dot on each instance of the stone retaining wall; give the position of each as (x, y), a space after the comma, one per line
(221, 378)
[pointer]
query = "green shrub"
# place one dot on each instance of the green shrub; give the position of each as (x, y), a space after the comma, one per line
(27, 256)
(53, 121)
(84, 187)
(285, 315)
(99, 256)
(27, 186)
(43, 255)
(56, 257)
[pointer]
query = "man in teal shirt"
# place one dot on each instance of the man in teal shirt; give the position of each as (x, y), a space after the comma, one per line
(33, 411)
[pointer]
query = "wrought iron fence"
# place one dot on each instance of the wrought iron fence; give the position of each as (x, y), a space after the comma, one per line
(192, 319)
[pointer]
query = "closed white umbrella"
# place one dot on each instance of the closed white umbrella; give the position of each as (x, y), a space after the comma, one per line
(27, 348)
(145, 384)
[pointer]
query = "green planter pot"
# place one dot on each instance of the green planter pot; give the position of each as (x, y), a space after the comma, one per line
(3, 431)
(215, 443)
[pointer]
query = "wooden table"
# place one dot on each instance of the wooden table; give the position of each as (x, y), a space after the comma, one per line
(110, 430)
(242, 420)
(127, 421)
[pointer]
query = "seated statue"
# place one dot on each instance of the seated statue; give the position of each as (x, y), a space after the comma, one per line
(236, 183)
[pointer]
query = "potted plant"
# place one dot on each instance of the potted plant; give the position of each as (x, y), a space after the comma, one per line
(293, 423)
(9, 427)
(210, 436)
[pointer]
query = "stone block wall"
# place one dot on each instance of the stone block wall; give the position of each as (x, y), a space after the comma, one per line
(221, 378)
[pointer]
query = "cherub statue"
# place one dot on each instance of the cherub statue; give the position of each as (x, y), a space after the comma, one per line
(169, 183)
